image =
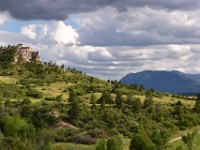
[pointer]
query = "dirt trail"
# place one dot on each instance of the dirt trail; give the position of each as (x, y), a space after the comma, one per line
(175, 139)
(65, 124)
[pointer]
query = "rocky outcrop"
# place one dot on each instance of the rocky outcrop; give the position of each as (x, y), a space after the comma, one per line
(26, 53)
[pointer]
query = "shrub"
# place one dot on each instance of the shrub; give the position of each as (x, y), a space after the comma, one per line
(59, 98)
(160, 137)
(97, 133)
(50, 98)
(26, 101)
(15, 144)
(141, 142)
(115, 143)
(34, 94)
(83, 139)
(101, 145)
(12, 125)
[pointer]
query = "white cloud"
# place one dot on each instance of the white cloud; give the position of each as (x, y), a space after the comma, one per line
(112, 45)
(4, 16)
(13, 38)
(63, 34)
(43, 31)
(100, 55)
(29, 31)
(139, 27)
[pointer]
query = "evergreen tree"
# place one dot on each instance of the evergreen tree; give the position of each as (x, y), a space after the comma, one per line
(148, 102)
(134, 104)
(141, 142)
(188, 139)
(105, 99)
(197, 104)
(160, 137)
(62, 67)
(115, 143)
(101, 145)
(141, 87)
(59, 98)
(118, 100)
(74, 106)
(92, 101)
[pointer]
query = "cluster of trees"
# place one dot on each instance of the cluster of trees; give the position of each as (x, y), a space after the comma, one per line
(7, 55)
(17, 134)
(113, 143)
(145, 122)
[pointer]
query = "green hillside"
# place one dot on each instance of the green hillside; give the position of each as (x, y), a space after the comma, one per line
(44, 106)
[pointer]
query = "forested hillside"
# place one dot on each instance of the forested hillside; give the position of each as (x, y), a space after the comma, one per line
(44, 106)
(166, 81)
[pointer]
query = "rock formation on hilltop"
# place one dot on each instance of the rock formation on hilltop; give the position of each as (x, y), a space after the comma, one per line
(26, 53)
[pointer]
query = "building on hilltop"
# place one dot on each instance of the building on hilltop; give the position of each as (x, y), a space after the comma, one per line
(26, 53)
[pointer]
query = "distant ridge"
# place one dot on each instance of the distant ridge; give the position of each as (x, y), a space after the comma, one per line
(166, 81)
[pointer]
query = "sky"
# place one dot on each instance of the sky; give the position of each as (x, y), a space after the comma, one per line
(107, 38)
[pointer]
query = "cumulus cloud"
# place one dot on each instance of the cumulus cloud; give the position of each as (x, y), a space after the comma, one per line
(29, 31)
(112, 38)
(105, 61)
(56, 32)
(3, 17)
(109, 61)
(138, 27)
(63, 34)
(13, 38)
(100, 55)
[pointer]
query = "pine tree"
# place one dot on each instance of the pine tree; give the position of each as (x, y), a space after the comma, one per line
(148, 100)
(197, 104)
(92, 101)
(114, 143)
(118, 100)
(74, 106)
(101, 145)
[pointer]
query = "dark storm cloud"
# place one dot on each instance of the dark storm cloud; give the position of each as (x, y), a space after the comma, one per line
(170, 5)
(61, 9)
(50, 9)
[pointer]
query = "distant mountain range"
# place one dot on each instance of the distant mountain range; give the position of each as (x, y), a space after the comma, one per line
(166, 81)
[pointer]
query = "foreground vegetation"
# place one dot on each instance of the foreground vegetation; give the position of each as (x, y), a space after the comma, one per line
(44, 106)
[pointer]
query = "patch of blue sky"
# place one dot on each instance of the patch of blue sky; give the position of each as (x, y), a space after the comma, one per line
(16, 25)
(71, 20)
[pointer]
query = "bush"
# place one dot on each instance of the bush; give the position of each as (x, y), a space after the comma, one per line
(59, 98)
(160, 137)
(11, 125)
(26, 101)
(43, 140)
(179, 148)
(34, 94)
(63, 134)
(97, 133)
(50, 98)
(101, 145)
(141, 142)
(83, 139)
(115, 143)
(15, 144)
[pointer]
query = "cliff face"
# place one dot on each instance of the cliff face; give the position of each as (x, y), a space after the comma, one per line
(26, 53)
